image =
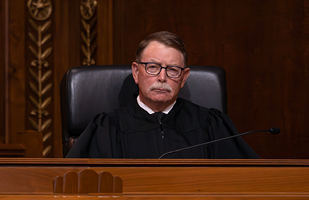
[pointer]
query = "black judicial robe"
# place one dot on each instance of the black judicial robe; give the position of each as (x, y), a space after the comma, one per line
(130, 132)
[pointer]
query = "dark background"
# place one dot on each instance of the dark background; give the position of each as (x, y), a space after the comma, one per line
(262, 44)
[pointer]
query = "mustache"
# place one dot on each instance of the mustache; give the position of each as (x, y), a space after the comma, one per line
(158, 85)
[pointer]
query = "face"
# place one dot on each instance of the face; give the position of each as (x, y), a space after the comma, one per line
(160, 90)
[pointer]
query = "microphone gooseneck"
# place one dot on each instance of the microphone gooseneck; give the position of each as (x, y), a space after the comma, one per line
(273, 130)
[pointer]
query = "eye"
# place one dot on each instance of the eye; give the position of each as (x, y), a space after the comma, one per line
(152, 66)
(173, 69)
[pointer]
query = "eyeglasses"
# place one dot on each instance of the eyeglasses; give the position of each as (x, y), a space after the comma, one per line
(155, 69)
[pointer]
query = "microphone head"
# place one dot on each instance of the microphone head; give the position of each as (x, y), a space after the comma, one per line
(274, 130)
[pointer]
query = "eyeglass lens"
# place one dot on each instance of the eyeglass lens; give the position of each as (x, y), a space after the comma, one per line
(154, 69)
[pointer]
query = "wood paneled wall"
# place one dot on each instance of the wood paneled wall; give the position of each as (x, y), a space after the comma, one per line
(262, 45)
(2, 72)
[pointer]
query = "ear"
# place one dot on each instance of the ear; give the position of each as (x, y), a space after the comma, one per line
(185, 75)
(134, 68)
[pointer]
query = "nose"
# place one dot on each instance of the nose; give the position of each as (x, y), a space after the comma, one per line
(162, 75)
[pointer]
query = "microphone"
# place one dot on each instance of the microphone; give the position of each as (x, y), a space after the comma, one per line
(273, 130)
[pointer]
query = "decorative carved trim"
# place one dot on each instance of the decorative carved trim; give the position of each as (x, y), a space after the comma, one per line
(88, 21)
(40, 9)
(87, 181)
(39, 72)
(87, 8)
(88, 39)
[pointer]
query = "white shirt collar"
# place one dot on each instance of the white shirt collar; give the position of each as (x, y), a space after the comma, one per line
(150, 111)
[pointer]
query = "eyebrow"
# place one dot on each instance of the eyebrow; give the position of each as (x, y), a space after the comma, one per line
(171, 65)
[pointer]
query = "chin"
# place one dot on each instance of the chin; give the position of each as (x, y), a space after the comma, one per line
(161, 100)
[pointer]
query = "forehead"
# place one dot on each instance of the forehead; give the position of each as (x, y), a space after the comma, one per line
(159, 52)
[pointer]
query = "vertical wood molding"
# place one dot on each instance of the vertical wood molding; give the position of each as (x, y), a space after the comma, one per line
(6, 73)
(3, 70)
(40, 71)
(89, 33)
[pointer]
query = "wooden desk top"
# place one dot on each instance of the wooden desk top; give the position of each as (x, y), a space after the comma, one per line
(163, 179)
(154, 162)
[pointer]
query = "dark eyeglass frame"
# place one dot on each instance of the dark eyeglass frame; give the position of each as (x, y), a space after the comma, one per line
(146, 63)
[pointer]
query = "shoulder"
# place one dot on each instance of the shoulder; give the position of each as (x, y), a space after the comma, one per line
(188, 105)
(104, 120)
(183, 103)
(99, 119)
(217, 114)
(205, 115)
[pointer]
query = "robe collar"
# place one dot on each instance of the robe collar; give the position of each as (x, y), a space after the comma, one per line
(149, 110)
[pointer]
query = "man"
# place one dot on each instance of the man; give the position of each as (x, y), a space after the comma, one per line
(157, 121)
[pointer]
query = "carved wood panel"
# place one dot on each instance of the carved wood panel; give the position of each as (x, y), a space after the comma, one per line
(40, 70)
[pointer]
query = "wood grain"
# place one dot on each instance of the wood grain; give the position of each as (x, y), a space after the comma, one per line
(173, 176)
(164, 179)
(3, 68)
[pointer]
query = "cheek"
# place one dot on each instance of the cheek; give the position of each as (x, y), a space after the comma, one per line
(144, 84)
(175, 85)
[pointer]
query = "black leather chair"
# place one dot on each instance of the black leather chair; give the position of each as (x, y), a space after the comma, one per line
(90, 90)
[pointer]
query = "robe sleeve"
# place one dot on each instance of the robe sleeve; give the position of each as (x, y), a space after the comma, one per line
(220, 126)
(96, 141)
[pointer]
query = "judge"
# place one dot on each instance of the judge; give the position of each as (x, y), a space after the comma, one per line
(157, 121)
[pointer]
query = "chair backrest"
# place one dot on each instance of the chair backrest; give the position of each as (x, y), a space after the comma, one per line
(89, 90)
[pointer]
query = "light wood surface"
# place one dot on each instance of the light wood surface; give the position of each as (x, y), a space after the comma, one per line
(163, 179)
